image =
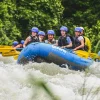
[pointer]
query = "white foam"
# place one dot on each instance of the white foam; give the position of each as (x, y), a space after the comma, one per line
(64, 83)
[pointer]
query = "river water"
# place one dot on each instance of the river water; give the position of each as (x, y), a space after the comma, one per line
(18, 82)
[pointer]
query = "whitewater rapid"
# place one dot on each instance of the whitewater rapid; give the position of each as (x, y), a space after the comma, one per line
(65, 84)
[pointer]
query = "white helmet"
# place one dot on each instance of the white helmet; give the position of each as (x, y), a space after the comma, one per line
(82, 28)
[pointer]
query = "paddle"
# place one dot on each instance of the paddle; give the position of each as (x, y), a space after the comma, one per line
(84, 54)
(80, 53)
(9, 50)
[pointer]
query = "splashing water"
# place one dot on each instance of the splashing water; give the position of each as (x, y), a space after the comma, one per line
(64, 83)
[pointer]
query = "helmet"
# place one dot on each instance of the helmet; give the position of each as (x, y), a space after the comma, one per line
(41, 33)
(51, 32)
(78, 29)
(35, 29)
(15, 43)
(82, 28)
(22, 41)
(99, 53)
(64, 28)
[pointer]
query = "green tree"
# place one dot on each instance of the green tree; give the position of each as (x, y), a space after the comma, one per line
(81, 12)
(44, 14)
(17, 17)
(8, 28)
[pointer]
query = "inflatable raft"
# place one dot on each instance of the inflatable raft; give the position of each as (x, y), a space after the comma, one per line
(51, 53)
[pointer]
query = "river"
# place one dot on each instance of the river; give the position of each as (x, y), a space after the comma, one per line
(18, 82)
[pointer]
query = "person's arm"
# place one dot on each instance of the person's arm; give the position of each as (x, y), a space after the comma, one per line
(26, 41)
(18, 46)
(81, 46)
(67, 46)
(56, 44)
(69, 43)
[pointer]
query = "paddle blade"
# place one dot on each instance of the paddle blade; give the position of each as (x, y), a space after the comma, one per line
(11, 53)
(82, 54)
(15, 57)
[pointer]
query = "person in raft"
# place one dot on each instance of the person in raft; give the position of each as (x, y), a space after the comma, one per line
(41, 36)
(20, 45)
(86, 41)
(50, 36)
(64, 40)
(32, 38)
(15, 43)
(78, 39)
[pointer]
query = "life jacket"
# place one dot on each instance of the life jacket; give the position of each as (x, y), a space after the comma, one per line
(62, 41)
(51, 42)
(77, 43)
(33, 39)
(87, 44)
(42, 40)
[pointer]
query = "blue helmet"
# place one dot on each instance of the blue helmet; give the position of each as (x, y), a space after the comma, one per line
(35, 29)
(15, 43)
(51, 32)
(41, 33)
(78, 29)
(22, 41)
(64, 28)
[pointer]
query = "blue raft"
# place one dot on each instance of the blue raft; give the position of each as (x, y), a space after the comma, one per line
(51, 53)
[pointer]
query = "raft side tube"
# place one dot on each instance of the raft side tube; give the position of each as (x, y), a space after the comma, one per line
(53, 54)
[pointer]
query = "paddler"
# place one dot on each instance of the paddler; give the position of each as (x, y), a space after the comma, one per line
(33, 37)
(15, 43)
(51, 39)
(20, 45)
(78, 39)
(41, 36)
(86, 41)
(64, 40)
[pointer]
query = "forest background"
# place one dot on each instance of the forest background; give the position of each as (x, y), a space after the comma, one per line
(17, 17)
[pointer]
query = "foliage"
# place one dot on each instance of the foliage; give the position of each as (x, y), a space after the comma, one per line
(44, 14)
(94, 34)
(17, 17)
(41, 84)
(8, 28)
